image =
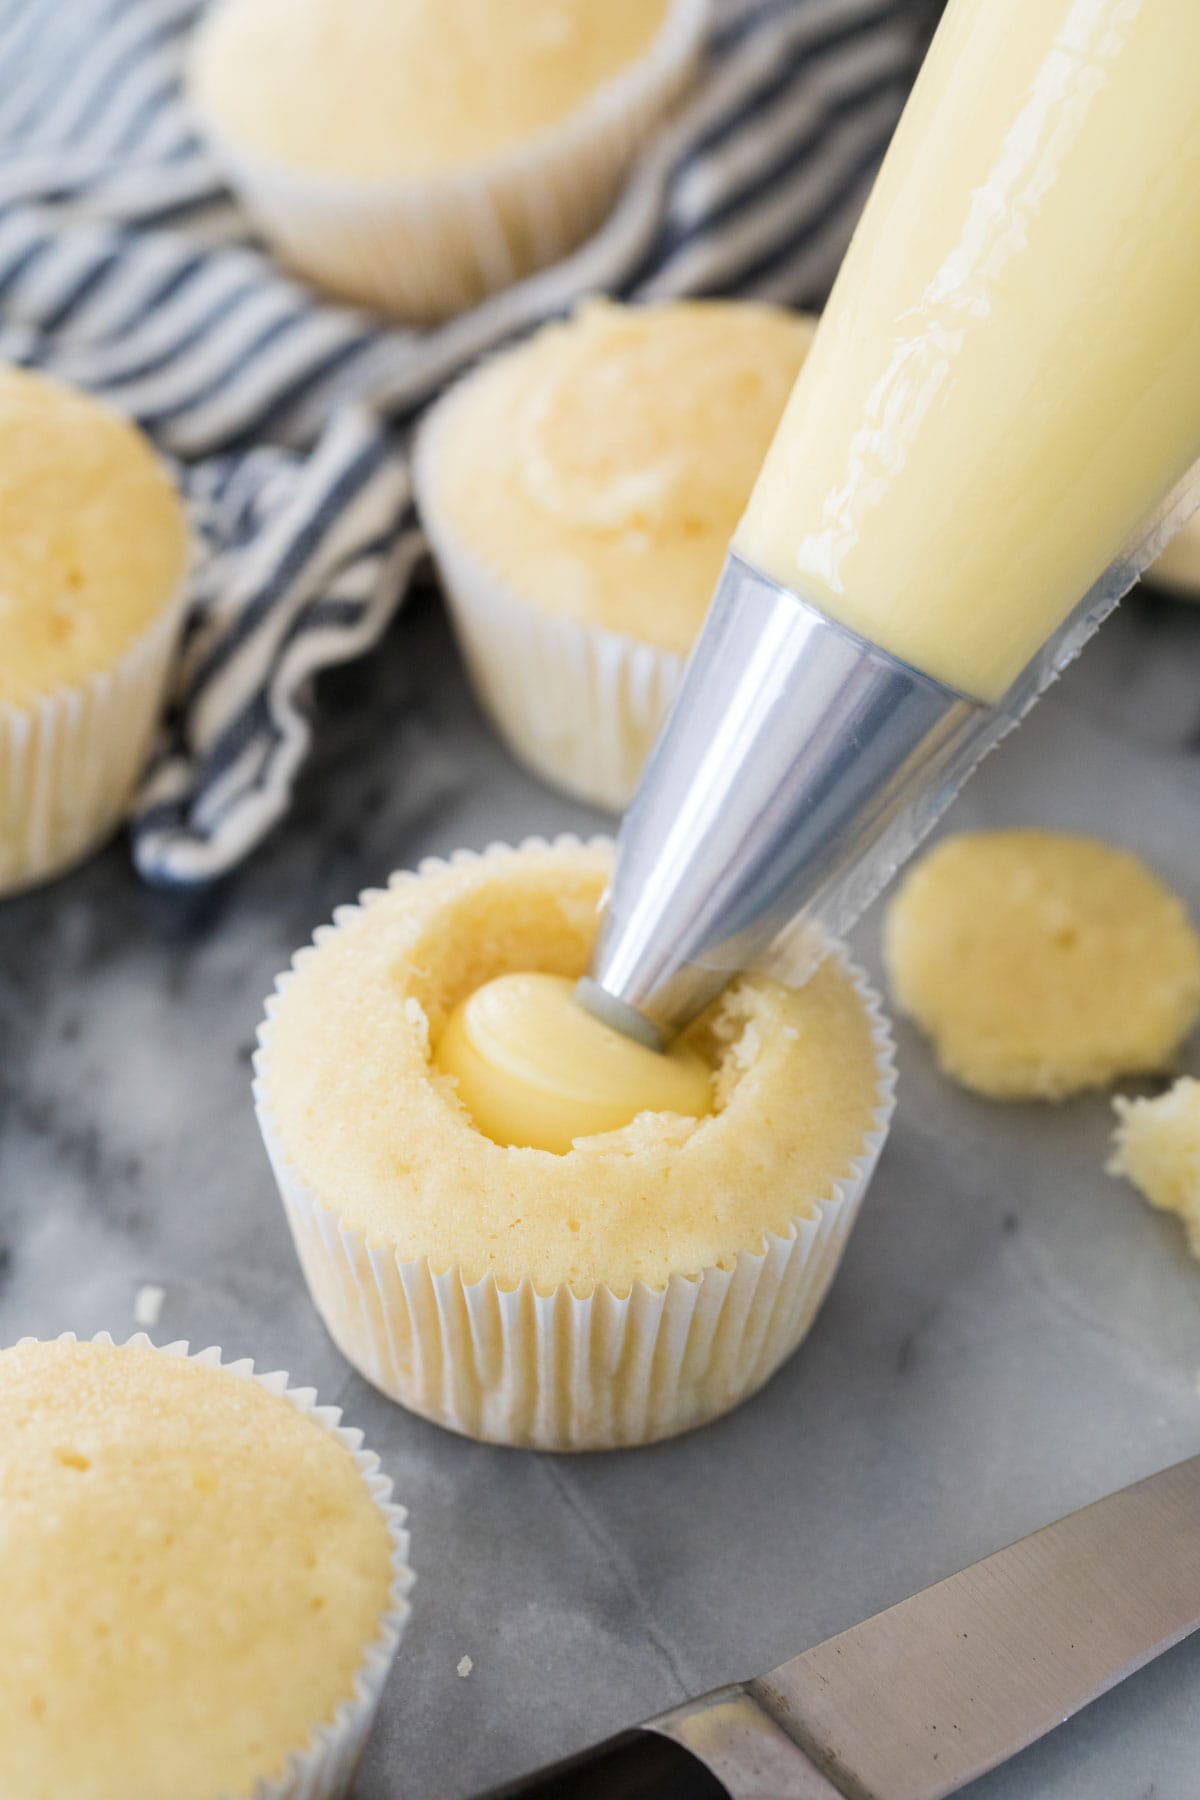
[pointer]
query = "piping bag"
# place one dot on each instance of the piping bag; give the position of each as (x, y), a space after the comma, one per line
(803, 761)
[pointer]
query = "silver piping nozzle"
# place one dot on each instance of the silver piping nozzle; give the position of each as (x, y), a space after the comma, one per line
(798, 766)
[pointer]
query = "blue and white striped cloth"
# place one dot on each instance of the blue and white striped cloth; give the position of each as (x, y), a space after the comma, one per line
(125, 267)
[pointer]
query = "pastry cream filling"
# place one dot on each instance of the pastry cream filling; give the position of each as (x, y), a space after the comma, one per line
(93, 539)
(599, 469)
(368, 89)
(1007, 377)
(534, 1067)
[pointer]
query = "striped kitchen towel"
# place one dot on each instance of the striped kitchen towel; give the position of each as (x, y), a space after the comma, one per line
(125, 267)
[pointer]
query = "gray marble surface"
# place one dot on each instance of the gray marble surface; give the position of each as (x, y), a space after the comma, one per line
(1012, 1333)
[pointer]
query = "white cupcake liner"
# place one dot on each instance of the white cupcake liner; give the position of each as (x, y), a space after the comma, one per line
(553, 1371)
(70, 760)
(426, 249)
(578, 705)
(324, 1768)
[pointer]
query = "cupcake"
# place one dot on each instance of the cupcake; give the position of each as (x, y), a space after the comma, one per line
(579, 493)
(93, 549)
(417, 155)
(204, 1579)
(640, 1283)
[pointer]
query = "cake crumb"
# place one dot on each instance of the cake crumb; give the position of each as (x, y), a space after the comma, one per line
(1157, 1148)
(465, 1665)
(418, 1018)
(148, 1304)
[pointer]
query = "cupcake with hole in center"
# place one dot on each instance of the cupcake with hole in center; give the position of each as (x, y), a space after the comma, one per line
(417, 155)
(579, 493)
(636, 1283)
(204, 1579)
(93, 552)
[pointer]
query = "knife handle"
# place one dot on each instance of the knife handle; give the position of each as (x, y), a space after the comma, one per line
(635, 1765)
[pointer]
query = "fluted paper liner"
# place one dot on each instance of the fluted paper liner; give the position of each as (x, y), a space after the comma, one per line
(554, 1371)
(70, 760)
(579, 705)
(323, 1769)
(426, 248)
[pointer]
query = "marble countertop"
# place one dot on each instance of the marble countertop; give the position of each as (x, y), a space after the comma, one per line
(1012, 1333)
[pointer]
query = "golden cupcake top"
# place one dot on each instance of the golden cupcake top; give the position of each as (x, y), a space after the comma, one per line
(1042, 963)
(193, 1572)
(368, 89)
(93, 540)
(599, 469)
(360, 1109)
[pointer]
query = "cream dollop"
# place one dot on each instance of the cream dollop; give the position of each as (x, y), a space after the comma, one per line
(534, 1067)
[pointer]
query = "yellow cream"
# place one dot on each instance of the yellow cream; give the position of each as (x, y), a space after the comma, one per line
(1041, 963)
(1007, 377)
(370, 89)
(93, 539)
(1158, 1149)
(534, 1067)
(599, 469)
(193, 1571)
(363, 1115)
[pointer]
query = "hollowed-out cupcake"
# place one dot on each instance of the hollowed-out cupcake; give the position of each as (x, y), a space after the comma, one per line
(579, 493)
(204, 1579)
(416, 155)
(638, 1284)
(93, 551)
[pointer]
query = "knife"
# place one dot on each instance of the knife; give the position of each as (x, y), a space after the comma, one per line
(919, 1700)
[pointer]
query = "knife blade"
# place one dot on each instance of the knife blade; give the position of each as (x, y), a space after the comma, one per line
(919, 1700)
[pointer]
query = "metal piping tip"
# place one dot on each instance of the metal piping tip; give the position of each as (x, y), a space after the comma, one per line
(799, 765)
